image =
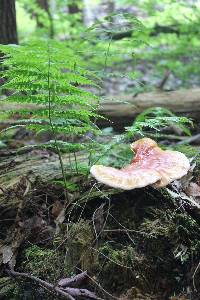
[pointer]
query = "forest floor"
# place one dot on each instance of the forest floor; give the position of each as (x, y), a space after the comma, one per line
(139, 244)
(90, 241)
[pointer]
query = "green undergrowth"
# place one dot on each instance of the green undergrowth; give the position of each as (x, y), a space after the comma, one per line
(188, 150)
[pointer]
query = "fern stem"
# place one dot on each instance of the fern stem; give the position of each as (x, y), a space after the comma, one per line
(53, 130)
(76, 164)
(107, 52)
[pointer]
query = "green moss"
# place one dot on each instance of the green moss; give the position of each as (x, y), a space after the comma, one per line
(9, 289)
(78, 246)
(115, 262)
(45, 263)
(188, 150)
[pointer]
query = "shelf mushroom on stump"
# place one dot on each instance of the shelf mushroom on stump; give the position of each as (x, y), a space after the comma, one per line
(150, 166)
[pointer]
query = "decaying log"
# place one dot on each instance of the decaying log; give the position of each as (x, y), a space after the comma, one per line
(121, 109)
(34, 165)
(34, 169)
(173, 29)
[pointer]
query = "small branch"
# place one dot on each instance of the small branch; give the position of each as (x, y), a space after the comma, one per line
(81, 293)
(161, 84)
(42, 283)
(100, 287)
(191, 139)
(125, 231)
(23, 123)
(154, 31)
(74, 281)
(193, 276)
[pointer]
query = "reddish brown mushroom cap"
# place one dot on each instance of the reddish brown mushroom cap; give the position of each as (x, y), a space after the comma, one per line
(150, 165)
(169, 164)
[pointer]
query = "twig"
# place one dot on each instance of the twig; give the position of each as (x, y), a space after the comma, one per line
(107, 52)
(74, 281)
(123, 230)
(161, 84)
(98, 285)
(42, 283)
(2, 190)
(193, 276)
(191, 139)
(106, 218)
(110, 259)
(81, 293)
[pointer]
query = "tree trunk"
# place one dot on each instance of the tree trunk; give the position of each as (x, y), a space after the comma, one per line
(93, 11)
(73, 7)
(44, 4)
(8, 26)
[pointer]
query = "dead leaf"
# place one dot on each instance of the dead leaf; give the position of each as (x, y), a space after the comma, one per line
(98, 220)
(185, 180)
(59, 220)
(56, 209)
(193, 190)
(183, 196)
(7, 254)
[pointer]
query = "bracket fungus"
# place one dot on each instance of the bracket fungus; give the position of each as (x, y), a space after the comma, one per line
(150, 166)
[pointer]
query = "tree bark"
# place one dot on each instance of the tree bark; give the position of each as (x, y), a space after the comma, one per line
(44, 4)
(73, 7)
(8, 26)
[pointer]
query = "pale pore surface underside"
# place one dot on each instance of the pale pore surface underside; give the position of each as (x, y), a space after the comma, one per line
(150, 166)
(124, 180)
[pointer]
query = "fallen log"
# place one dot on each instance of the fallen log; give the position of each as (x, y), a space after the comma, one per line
(34, 165)
(120, 110)
(173, 29)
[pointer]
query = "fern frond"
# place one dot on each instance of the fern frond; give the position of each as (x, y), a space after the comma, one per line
(155, 119)
(50, 75)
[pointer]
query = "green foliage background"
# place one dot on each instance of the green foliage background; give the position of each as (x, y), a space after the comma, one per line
(177, 51)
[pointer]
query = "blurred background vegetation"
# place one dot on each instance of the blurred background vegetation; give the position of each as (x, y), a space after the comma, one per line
(136, 56)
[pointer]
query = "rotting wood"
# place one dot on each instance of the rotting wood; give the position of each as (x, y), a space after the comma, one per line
(121, 110)
(33, 165)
